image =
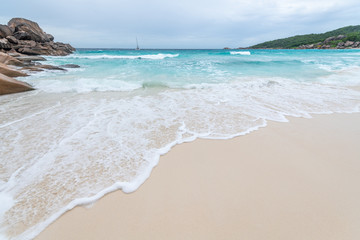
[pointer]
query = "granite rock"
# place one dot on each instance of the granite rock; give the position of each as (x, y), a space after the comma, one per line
(9, 85)
(26, 37)
(5, 31)
(32, 29)
(6, 70)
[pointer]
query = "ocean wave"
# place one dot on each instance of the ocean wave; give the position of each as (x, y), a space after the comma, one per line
(240, 53)
(155, 85)
(158, 56)
(347, 76)
(83, 85)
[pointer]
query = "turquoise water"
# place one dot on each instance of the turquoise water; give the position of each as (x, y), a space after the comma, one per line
(101, 127)
(123, 70)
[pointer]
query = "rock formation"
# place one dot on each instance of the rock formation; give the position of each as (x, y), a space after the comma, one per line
(21, 40)
(26, 37)
(335, 42)
(10, 85)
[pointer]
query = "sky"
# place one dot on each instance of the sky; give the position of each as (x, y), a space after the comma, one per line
(182, 23)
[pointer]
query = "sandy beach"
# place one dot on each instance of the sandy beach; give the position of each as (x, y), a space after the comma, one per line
(295, 180)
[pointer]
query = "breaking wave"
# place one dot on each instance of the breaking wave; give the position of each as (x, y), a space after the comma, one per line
(240, 53)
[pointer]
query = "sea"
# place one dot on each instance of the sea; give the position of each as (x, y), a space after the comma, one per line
(92, 130)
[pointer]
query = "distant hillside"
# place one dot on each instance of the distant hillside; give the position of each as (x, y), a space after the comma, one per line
(352, 33)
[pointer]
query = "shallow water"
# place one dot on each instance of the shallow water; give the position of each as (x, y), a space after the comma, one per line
(102, 127)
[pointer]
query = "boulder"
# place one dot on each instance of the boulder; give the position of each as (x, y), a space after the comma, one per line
(5, 31)
(32, 69)
(31, 28)
(14, 54)
(12, 39)
(9, 85)
(60, 49)
(26, 37)
(348, 43)
(340, 44)
(50, 67)
(51, 37)
(29, 51)
(6, 70)
(340, 37)
(30, 58)
(4, 44)
(22, 35)
(48, 48)
(27, 43)
(329, 39)
(9, 60)
(70, 66)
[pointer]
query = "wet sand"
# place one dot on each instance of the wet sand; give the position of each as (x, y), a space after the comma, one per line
(296, 180)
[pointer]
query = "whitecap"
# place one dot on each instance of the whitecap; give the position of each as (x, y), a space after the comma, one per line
(159, 56)
(240, 53)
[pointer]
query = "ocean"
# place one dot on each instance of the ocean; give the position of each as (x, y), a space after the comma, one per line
(91, 130)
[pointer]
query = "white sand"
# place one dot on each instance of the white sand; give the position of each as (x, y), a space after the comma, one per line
(297, 180)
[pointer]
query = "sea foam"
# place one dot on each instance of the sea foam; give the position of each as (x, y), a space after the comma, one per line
(240, 53)
(158, 56)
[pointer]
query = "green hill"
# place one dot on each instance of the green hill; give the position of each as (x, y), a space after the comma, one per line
(352, 34)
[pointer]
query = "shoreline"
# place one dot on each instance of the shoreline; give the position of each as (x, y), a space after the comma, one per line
(178, 203)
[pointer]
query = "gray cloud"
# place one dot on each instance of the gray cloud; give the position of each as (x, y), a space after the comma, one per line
(181, 24)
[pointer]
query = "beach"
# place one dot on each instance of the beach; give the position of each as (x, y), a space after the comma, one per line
(292, 180)
(227, 121)
(231, 133)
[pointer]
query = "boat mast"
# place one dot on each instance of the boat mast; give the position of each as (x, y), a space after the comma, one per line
(137, 44)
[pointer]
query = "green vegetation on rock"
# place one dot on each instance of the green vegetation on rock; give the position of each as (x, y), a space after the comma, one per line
(352, 33)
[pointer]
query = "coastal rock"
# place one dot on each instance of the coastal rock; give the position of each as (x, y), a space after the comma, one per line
(26, 37)
(340, 44)
(348, 43)
(340, 37)
(30, 58)
(14, 53)
(9, 85)
(329, 39)
(6, 70)
(9, 60)
(32, 69)
(32, 29)
(22, 35)
(70, 66)
(50, 67)
(12, 39)
(29, 51)
(51, 37)
(5, 31)
(4, 44)
(27, 43)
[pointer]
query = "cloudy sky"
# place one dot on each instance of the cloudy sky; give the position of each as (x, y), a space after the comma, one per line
(181, 23)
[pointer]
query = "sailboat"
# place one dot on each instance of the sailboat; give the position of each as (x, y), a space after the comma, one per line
(137, 45)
